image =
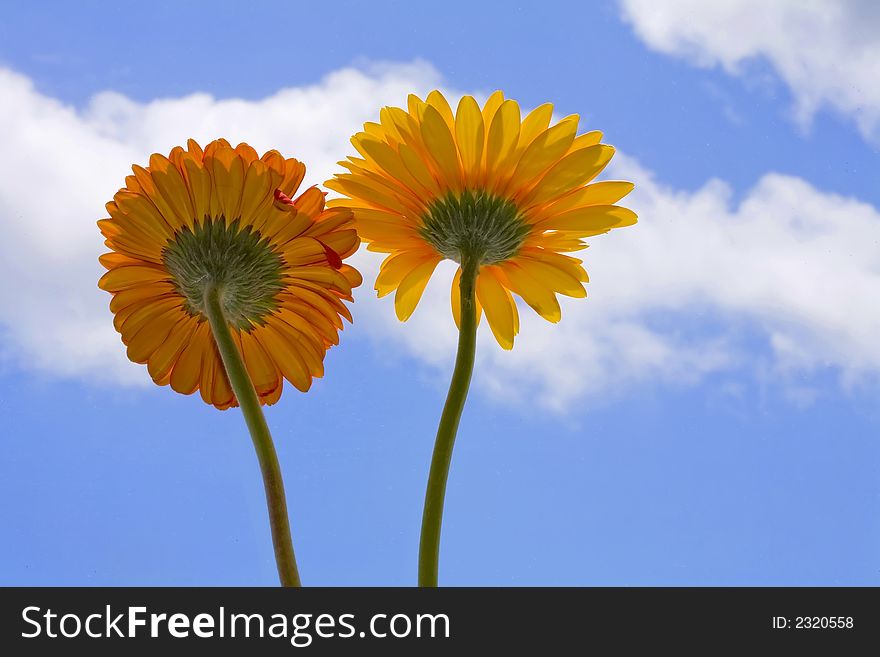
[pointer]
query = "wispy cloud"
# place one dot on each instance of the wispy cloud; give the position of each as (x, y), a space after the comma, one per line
(59, 165)
(792, 266)
(827, 53)
(688, 292)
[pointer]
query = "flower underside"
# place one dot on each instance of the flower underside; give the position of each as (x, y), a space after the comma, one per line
(474, 224)
(239, 260)
(480, 185)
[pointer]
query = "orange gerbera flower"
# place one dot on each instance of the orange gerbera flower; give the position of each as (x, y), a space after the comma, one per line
(224, 217)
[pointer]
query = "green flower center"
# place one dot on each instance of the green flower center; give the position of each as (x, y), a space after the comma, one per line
(239, 260)
(474, 225)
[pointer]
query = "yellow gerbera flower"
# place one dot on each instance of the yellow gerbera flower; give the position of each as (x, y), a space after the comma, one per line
(502, 196)
(224, 215)
(513, 193)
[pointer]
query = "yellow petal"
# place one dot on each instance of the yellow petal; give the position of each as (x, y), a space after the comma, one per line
(163, 359)
(284, 224)
(586, 140)
(199, 184)
(136, 232)
(469, 135)
(304, 251)
(135, 248)
(171, 186)
(321, 299)
(258, 195)
(150, 191)
(354, 278)
(395, 268)
(221, 391)
(555, 241)
(287, 357)
(188, 369)
(565, 263)
(312, 313)
(539, 297)
(573, 170)
(497, 304)
(247, 153)
(502, 138)
(294, 172)
(375, 214)
(375, 130)
(326, 276)
(415, 105)
(543, 152)
(398, 123)
(492, 104)
(324, 323)
(308, 344)
(310, 202)
(378, 229)
(380, 197)
(591, 219)
(411, 288)
(606, 192)
(410, 202)
(271, 396)
(126, 277)
(416, 166)
(534, 124)
(554, 278)
(330, 220)
(259, 364)
(138, 212)
(436, 100)
(441, 147)
(145, 313)
(387, 159)
(510, 300)
(143, 343)
(388, 127)
(210, 366)
(111, 260)
(316, 321)
(343, 242)
(138, 294)
(227, 170)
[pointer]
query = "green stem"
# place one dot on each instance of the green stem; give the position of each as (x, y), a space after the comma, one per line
(432, 517)
(246, 395)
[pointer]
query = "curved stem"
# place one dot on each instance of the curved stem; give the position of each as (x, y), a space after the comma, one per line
(432, 517)
(247, 398)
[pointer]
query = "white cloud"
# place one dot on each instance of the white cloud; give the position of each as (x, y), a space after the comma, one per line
(685, 292)
(670, 301)
(60, 165)
(828, 53)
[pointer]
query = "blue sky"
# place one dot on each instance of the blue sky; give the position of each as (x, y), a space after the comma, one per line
(678, 427)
